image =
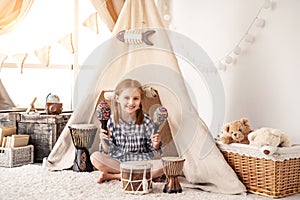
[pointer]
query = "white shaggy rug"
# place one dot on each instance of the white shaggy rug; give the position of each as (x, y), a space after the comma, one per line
(32, 182)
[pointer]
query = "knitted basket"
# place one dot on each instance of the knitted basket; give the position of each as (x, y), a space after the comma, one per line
(13, 157)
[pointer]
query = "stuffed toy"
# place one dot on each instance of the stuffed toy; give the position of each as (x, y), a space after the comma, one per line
(268, 139)
(236, 132)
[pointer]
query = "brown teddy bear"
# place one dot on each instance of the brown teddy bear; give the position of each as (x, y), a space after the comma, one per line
(236, 132)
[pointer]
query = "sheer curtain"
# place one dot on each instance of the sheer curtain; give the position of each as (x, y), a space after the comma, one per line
(12, 12)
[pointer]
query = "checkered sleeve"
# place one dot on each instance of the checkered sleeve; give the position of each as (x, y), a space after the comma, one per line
(111, 129)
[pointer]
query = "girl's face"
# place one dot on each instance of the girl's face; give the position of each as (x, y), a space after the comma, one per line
(129, 100)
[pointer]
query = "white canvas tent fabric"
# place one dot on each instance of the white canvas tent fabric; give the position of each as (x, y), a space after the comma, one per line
(155, 66)
(5, 101)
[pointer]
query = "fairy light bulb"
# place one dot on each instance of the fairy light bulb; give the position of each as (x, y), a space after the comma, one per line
(228, 60)
(167, 17)
(260, 23)
(267, 4)
(221, 67)
(237, 50)
(249, 38)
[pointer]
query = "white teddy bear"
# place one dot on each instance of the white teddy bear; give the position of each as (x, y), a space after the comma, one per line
(268, 139)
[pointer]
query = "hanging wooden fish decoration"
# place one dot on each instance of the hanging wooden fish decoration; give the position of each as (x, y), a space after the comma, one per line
(135, 36)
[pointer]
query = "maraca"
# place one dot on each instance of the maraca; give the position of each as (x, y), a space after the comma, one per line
(159, 117)
(103, 113)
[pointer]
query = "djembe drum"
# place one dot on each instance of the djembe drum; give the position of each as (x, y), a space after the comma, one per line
(83, 136)
(136, 177)
(172, 167)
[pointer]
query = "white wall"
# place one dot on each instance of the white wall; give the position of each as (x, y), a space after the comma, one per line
(263, 84)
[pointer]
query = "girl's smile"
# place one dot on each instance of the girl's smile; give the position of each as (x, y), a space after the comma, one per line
(129, 100)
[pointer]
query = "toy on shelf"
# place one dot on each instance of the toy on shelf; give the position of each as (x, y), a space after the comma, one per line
(31, 107)
(53, 105)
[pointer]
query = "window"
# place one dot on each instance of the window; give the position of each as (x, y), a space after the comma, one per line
(46, 23)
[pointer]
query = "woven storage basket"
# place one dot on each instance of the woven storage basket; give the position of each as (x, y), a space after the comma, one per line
(13, 157)
(273, 176)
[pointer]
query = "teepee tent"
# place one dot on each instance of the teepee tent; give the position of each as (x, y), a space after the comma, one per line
(154, 65)
(5, 101)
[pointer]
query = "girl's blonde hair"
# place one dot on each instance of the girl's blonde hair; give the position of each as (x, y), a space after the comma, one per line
(116, 109)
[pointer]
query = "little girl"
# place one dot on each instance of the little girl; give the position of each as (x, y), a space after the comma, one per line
(130, 134)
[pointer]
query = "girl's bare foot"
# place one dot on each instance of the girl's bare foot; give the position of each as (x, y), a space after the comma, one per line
(104, 176)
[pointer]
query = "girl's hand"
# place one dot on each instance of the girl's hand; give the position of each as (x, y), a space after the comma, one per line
(104, 137)
(156, 139)
(104, 134)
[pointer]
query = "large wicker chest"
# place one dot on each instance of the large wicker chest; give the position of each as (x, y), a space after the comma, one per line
(273, 176)
(44, 131)
(8, 119)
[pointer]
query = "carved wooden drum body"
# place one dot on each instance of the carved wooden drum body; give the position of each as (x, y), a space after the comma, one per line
(136, 177)
(172, 167)
(83, 136)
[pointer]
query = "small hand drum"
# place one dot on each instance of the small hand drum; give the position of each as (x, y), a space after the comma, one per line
(136, 177)
(172, 167)
(83, 136)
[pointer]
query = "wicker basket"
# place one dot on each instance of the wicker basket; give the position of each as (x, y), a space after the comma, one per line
(43, 130)
(273, 176)
(13, 157)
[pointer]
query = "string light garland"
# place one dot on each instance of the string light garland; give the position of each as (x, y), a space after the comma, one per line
(248, 38)
(164, 8)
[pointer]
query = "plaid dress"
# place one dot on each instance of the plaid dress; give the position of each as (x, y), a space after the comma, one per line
(130, 141)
